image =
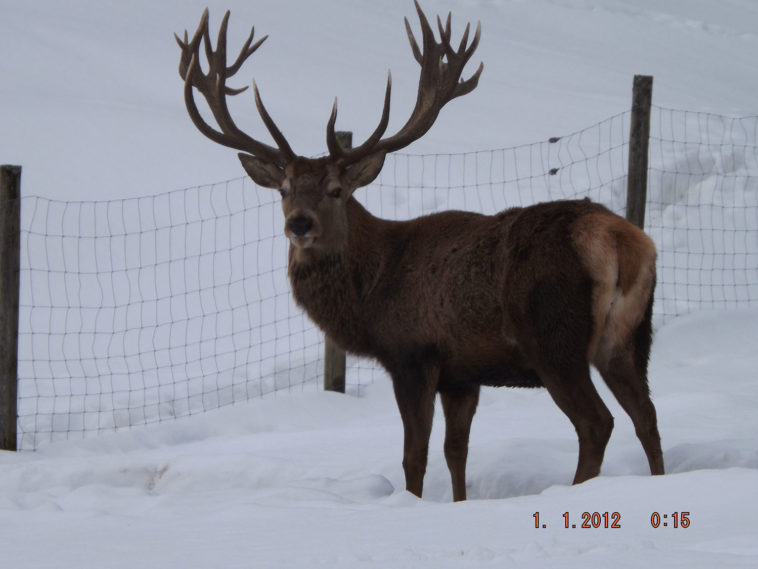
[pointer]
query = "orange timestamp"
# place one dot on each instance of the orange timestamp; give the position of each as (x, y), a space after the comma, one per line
(612, 520)
(673, 519)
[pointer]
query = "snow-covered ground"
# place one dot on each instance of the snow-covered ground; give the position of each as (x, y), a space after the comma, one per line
(90, 103)
(314, 480)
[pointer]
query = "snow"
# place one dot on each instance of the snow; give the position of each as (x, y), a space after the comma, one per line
(90, 104)
(314, 479)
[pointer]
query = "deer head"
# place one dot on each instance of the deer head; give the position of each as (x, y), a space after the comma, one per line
(315, 191)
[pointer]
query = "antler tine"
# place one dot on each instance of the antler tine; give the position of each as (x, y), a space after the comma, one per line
(439, 82)
(414, 46)
(465, 87)
(187, 47)
(206, 34)
(212, 85)
(246, 51)
(336, 151)
(427, 35)
(475, 41)
(470, 84)
(276, 134)
(464, 38)
(220, 53)
(446, 31)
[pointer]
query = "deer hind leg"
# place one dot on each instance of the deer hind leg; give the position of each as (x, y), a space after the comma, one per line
(577, 397)
(415, 390)
(459, 406)
(624, 370)
(631, 390)
(562, 334)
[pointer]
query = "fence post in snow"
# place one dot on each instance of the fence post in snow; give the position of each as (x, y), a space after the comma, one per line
(639, 138)
(334, 356)
(10, 189)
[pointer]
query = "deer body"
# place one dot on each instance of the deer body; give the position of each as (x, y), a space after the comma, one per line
(448, 302)
(435, 284)
(455, 300)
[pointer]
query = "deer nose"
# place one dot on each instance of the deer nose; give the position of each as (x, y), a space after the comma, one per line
(299, 225)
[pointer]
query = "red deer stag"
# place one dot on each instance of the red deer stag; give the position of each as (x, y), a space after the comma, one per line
(448, 302)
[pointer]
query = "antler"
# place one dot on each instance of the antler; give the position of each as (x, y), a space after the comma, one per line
(212, 86)
(439, 83)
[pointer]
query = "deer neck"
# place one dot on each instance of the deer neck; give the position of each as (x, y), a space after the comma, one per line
(333, 287)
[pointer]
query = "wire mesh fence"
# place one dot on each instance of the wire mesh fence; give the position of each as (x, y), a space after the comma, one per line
(143, 310)
(703, 211)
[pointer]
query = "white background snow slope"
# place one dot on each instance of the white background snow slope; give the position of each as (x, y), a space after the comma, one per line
(90, 105)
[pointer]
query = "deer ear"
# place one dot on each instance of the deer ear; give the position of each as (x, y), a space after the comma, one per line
(364, 171)
(263, 173)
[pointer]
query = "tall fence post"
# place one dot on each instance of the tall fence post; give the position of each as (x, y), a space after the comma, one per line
(10, 189)
(334, 356)
(639, 140)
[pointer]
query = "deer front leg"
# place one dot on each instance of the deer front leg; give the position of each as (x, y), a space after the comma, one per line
(415, 400)
(459, 406)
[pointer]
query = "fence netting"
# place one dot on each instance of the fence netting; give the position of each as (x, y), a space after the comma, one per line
(142, 310)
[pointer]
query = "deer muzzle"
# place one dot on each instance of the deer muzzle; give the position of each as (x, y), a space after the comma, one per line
(301, 229)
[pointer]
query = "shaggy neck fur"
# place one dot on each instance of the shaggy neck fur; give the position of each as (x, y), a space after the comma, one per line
(333, 286)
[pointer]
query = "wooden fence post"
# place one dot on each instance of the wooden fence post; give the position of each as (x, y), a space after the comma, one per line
(10, 189)
(334, 356)
(639, 139)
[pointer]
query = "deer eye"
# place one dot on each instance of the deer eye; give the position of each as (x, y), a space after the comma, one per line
(335, 192)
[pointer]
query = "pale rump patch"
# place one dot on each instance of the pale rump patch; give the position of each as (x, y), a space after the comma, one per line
(621, 261)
